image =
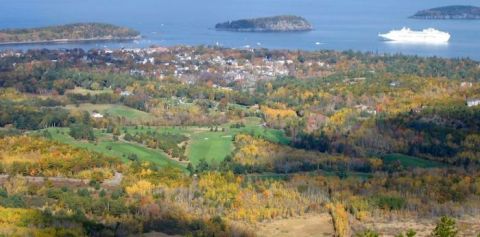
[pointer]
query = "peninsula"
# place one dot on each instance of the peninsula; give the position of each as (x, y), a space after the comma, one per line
(456, 12)
(285, 23)
(67, 33)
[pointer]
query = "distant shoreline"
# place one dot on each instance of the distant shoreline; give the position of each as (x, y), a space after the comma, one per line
(453, 12)
(255, 30)
(66, 41)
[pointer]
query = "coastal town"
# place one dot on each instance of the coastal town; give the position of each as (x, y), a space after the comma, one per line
(188, 64)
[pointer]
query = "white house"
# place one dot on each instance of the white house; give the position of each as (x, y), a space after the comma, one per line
(125, 93)
(473, 102)
(97, 115)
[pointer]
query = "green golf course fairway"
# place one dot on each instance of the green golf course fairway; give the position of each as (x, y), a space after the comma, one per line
(120, 149)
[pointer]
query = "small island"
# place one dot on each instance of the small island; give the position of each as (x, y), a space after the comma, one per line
(284, 23)
(449, 13)
(68, 33)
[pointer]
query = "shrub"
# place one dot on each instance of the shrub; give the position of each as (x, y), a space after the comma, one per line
(367, 233)
(445, 228)
(390, 202)
(81, 131)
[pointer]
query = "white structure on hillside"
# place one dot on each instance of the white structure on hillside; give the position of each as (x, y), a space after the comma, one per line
(97, 115)
(125, 93)
(473, 102)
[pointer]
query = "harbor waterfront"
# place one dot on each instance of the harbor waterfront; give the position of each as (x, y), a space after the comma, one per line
(338, 25)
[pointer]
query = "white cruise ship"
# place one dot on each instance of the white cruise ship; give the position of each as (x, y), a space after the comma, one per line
(406, 35)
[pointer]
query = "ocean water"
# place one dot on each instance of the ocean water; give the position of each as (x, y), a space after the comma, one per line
(339, 24)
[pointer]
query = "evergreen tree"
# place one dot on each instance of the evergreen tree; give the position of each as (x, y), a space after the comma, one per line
(445, 228)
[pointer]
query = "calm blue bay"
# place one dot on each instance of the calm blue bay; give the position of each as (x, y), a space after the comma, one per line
(339, 24)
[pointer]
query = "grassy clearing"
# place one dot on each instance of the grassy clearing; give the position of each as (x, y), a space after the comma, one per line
(253, 126)
(272, 135)
(84, 91)
(411, 161)
(163, 129)
(213, 146)
(113, 110)
(203, 143)
(119, 149)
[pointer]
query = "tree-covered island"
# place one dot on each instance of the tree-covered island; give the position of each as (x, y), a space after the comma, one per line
(285, 23)
(456, 12)
(65, 33)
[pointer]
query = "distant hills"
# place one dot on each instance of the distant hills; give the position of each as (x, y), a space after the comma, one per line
(285, 23)
(65, 33)
(456, 12)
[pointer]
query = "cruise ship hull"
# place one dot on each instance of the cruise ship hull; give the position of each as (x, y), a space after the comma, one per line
(406, 35)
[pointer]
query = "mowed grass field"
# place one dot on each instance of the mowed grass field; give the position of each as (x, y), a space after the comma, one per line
(203, 144)
(411, 161)
(118, 149)
(253, 126)
(113, 110)
(211, 146)
(84, 91)
(214, 146)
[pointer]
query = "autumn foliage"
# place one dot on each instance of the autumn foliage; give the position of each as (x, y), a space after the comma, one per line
(39, 157)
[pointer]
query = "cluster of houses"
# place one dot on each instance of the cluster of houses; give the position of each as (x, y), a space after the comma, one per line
(231, 69)
(180, 62)
(10, 53)
(185, 61)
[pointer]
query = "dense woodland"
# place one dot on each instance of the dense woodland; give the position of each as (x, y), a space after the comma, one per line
(361, 136)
